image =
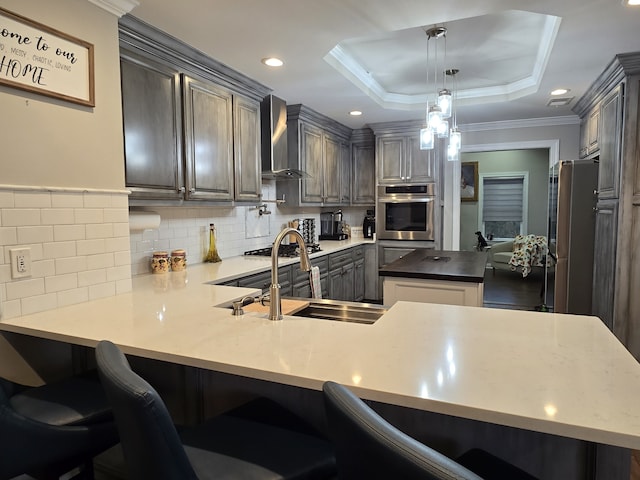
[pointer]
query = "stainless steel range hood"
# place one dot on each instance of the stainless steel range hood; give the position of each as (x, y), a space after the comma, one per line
(275, 158)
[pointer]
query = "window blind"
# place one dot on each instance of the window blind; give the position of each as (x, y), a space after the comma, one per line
(502, 199)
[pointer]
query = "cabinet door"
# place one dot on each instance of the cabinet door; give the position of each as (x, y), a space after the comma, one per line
(421, 165)
(311, 163)
(610, 155)
(332, 168)
(208, 114)
(364, 175)
(604, 262)
(348, 282)
(593, 131)
(152, 129)
(391, 153)
(246, 141)
(345, 174)
(358, 280)
(336, 284)
(584, 141)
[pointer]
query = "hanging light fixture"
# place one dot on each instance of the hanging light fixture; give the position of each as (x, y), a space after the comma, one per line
(455, 137)
(441, 117)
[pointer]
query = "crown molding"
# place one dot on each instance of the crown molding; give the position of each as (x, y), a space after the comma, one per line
(117, 7)
(523, 123)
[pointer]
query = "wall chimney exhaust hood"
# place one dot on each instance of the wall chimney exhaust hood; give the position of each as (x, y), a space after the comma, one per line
(275, 158)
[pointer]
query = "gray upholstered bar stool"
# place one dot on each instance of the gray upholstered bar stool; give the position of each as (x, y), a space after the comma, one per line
(367, 446)
(237, 445)
(54, 429)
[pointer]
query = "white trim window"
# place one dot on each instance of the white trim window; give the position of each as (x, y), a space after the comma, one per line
(504, 204)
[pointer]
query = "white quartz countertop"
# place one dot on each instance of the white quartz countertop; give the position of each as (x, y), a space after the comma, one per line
(552, 373)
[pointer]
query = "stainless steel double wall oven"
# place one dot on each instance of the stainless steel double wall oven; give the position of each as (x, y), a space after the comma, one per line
(406, 212)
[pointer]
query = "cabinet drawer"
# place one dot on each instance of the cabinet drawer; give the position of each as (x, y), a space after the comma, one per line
(339, 259)
(299, 276)
(263, 280)
(357, 253)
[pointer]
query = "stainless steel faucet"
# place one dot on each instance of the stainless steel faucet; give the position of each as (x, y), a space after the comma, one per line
(275, 306)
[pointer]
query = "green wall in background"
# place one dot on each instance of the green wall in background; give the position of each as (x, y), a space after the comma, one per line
(534, 161)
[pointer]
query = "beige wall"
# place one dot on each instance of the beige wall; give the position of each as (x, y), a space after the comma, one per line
(56, 143)
(533, 161)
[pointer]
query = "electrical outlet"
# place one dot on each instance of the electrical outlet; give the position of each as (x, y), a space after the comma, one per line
(20, 262)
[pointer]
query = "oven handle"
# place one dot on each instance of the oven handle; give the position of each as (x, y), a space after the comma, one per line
(405, 200)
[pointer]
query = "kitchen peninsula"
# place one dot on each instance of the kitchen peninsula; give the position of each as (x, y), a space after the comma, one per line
(563, 381)
(435, 276)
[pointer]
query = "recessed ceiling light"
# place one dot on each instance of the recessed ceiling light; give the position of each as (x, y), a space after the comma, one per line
(560, 91)
(559, 102)
(272, 62)
(355, 113)
(632, 3)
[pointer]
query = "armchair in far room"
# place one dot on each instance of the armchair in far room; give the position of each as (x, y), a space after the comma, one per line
(523, 254)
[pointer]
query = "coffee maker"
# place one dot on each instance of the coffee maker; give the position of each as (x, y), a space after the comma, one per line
(332, 226)
(369, 224)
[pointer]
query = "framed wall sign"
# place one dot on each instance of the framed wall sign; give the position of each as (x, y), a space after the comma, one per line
(40, 59)
(469, 182)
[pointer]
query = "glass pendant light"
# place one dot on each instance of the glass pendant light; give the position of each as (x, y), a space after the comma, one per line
(443, 129)
(445, 102)
(427, 139)
(452, 153)
(455, 138)
(435, 117)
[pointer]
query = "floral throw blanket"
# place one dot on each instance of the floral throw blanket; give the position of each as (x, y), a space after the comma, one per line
(529, 251)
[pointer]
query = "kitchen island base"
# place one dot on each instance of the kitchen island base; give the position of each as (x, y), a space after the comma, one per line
(432, 291)
(207, 393)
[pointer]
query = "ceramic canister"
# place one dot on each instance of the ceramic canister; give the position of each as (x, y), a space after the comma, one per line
(178, 260)
(160, 262)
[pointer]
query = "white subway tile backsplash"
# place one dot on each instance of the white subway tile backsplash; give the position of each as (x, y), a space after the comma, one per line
(67, 200)
(25, 288)
(122, 258)
(103, 260)
(59, 249)
(89, 215)
(102, 290)
(69, 232)
(118, 273)
(92, 277)
(99, 200)
(70, 265)
(5, 272)
(73, 296)
(7, 199)
(99, 230)
(8, 235)
(58, 216)
(121, 229)
(18, 217)
(11, 308)
(116, 244)
(91, 247)
(32, 199)
(61, 282)
(116, 215)
(38, 303)
(39, 234)
(43, 268)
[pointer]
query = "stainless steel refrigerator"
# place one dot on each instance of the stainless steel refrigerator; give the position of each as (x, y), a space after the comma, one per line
(576, 218)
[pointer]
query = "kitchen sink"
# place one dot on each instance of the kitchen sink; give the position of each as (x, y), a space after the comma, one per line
(322, 309)
(341, 311)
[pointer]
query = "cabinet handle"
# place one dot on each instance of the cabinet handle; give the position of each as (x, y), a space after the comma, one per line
(192, 190)
(596, 192)
(596, 209)
(181, 190)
